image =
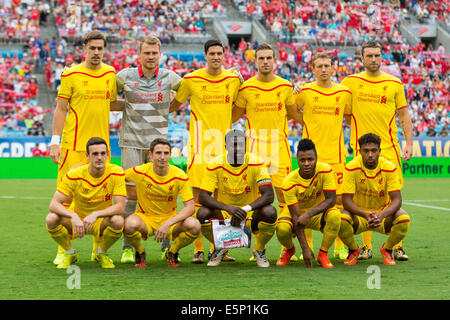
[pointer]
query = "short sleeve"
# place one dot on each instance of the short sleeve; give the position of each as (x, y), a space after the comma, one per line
(66, 87)
(300, 99)
(175, 81)
(349, 181)
(290, 99)
(130, 175)
(119, 184)
(329, 183)
(121, 78)
(183, 92)
(210, 181)
(400, 98)
(241, 100)
(113, 96)
(262, 175)
(393, 180)
(185, 190)
(66, 187)
(348, 104)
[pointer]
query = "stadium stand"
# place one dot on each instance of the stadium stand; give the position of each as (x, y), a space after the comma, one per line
(301, 27)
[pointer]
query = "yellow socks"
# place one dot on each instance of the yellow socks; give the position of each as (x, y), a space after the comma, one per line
(110, 236)
(367, 239)
(198, 242)
(346, 232)
(206, 231)
(135, 241)
(309, 237)
(284, 233)
(265, 233)
(331, 229)
(182, 240)
(399, 230)
(61, 236)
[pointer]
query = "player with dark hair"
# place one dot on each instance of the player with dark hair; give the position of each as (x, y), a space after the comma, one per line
(212, 91)
(323, 104)
(268, 102)
(244, 190)
(310, 193)
(147, 89)
(377, 98)
(86, 93)
(97, 192)
(158, 185)
(372, 200)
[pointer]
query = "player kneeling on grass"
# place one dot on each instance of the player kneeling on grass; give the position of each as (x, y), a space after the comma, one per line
(372, 200)
(97, 191)
(238, 177)
(158, 185)
(310, 193)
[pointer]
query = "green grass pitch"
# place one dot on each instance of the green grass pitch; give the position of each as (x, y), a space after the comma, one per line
(27, 251)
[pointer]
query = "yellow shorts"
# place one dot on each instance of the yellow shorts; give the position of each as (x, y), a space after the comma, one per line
(154, 222)
(69, 159)
(338, 172)
(276, 154)
(196, 168)
(393, 155)
(316, 222)
(363, 224)
(94, 230)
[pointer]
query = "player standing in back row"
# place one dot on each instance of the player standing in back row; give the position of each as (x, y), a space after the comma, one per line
(87, 92)
(147, 90)
(212, 91)
(377, 98)
(268, 102)
(324, 104)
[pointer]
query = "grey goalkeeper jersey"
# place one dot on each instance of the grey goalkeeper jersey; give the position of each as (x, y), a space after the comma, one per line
(147, 104)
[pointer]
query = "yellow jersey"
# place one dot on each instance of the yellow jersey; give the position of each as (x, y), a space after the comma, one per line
(211, 101)
(91, 194)
(375, 102)
(265, 106)
(157, 195)
(323, 114)
(308, 193)
(89, 93)
(370, 188)
(236, 186)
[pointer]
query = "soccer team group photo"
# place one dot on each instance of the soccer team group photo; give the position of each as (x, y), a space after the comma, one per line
(225, 141)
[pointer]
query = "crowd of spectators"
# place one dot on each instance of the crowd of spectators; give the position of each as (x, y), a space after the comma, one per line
(327, 22)
(431, 11)
(21, 20)
(121, 19)
(20, 112)
(423, 70)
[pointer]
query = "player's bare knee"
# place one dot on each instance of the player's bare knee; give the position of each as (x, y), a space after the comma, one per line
(268, 214)
(116, 222)
(131, 224)
(192, 225)
(400, 212)
(203, 214)
(52, 220)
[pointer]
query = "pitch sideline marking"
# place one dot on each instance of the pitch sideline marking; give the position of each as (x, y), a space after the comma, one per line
(425, 206)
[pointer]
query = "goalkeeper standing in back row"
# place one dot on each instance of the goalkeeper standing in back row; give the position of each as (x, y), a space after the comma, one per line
(147, 89)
